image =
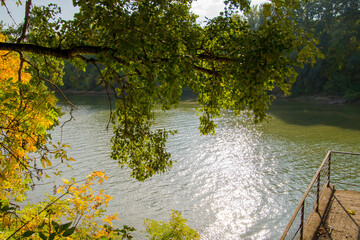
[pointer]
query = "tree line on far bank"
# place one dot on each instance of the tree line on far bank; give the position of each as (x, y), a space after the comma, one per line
(334, 23)
(336, 26)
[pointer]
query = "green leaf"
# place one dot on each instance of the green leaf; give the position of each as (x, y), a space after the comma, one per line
(42, 225)
(4, 208)
(42, 236)
(55, 225)
(27, 233)
(69, 232)
(64, 227)
(52, 236)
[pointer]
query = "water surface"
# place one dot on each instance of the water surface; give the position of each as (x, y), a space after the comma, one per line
(242, 183)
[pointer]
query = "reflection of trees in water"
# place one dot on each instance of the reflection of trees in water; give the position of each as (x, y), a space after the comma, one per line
(307, 114)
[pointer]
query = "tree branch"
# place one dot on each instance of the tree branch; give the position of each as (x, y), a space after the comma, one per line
(76, 51)
(206, 70)
(26, 21)
(217, 58)
(51, 83)
(7, 9)
(46, 207)
(55, 52)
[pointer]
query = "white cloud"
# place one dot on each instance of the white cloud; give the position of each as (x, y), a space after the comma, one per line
(207, 8)
(212, 8)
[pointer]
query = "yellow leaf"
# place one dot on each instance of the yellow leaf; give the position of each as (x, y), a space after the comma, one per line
(352, 212)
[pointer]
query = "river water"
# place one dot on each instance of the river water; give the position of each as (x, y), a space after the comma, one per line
(242, 183)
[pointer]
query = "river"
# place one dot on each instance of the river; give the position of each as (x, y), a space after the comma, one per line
(242, 183)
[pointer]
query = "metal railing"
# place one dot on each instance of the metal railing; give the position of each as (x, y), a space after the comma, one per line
(295, 227)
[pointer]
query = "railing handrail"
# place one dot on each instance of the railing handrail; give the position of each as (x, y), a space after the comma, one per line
(340, 152)
(301, 204)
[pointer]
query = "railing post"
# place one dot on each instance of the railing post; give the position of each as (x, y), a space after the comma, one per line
(302, 221)
(328, 175)
(317, 193)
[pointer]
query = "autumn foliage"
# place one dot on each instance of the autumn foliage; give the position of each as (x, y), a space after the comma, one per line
(27, 112)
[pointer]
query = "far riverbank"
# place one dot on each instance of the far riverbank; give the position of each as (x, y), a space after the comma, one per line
(323, 99)
(189, 95)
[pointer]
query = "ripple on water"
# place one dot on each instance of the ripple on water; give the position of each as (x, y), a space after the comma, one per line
(242, 183)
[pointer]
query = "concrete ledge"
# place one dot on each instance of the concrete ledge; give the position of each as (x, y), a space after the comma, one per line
(315, 218)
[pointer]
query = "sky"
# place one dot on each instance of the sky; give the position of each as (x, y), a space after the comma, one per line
(212, 8)
(202, 8)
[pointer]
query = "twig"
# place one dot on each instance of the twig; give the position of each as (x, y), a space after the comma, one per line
(26, 21)
(110, 104)
(71, 118)
(51, 83)
(7, 9)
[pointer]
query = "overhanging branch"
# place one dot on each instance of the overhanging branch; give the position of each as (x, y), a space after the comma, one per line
(206, 70)
(78, 50)
(55, 52)
(218, 58)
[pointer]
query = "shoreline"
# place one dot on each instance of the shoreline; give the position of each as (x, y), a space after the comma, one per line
(89, 92)
(321, 99)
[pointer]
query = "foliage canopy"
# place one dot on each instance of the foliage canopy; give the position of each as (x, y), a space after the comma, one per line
(149, 50)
